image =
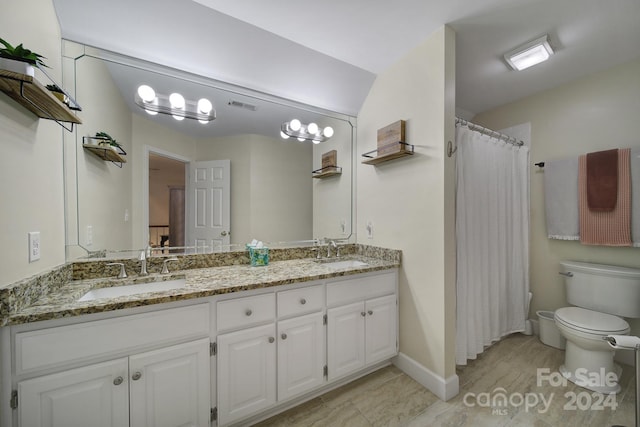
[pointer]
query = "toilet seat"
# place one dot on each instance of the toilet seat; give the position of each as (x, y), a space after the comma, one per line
(591, 322)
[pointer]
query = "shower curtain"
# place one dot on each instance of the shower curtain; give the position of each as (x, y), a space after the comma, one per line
(492, 238)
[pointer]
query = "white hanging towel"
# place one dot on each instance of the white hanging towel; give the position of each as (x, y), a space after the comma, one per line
(561, 199)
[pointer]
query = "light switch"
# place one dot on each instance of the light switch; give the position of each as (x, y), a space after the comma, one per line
(34, 246)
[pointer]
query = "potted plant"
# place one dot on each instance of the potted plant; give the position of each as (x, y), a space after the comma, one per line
(18, 59)
(107, 140)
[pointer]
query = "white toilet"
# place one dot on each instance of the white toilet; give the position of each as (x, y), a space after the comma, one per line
(601, 293)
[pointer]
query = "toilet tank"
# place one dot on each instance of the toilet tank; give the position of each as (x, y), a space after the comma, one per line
(604, 288)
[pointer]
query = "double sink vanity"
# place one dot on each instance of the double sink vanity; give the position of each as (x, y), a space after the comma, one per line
(214, 342)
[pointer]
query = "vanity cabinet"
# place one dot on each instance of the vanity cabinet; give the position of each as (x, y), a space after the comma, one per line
(360, 330)
(166, 387)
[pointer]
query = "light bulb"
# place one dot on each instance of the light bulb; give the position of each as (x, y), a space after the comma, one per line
(312, 128)
(146, 93)
(178, 118)
(284, 135)
(315, 141)
(177, 101)
(204, 106)
(295, 125)
(151, 112)
(301, 139)
(328, 131)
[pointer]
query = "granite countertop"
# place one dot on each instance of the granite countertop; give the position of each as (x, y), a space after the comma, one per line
(199, 283)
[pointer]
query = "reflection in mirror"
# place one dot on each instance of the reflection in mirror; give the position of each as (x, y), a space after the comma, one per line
(185, 184)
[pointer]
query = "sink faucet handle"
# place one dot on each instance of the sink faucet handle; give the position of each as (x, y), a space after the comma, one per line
(123, 272)
(165, 268)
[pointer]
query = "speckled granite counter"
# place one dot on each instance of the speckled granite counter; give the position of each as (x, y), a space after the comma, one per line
(62, 301)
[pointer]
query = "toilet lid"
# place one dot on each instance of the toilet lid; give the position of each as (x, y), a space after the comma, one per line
(589, 320)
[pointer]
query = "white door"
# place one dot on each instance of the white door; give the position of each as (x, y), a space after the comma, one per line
(301, 355)
(345, 339)
(381, 329)
(209, 205)
(95, 395)
(170, 386)
(246, 372)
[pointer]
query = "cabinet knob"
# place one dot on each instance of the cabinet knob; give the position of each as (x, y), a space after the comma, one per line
(136, 376)
(118, 381)
(248, 312)
(223, 233)
(271, 339)
(283, 336)
(303, 301)
(363, 314)
(370, 312)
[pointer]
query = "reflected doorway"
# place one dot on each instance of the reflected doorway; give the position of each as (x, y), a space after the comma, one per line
(166, 201)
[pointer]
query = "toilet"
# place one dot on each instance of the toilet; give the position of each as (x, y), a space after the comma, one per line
(601, 296)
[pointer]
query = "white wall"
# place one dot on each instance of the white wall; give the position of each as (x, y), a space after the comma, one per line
(595, 113)
(409, 200)
(32, 194)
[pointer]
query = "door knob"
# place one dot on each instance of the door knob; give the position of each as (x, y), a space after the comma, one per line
(284, 336)
(271, 339)
(118, 381)
(363, 314)
(303, 301)
(370, 312)
(136, 376)
(248, 312)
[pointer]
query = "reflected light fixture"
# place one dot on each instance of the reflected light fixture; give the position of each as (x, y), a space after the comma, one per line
(305, 132)
(174, 105)
(529, 54)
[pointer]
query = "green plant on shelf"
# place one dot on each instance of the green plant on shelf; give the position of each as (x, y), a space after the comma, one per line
(107, 139)
(19, 53)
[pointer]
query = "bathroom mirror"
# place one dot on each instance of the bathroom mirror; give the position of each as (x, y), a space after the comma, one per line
(116, 208)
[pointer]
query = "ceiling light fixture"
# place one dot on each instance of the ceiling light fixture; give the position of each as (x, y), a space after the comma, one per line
(529, 54)
(305, 132)
(174, 105)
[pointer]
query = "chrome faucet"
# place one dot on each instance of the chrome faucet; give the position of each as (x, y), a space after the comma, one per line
(143, 262)
(123, 273)
(329, 245)
(165, 268)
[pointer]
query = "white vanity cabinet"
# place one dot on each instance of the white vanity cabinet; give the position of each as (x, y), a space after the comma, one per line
(162, 388)
(362, 326)
(124, 371)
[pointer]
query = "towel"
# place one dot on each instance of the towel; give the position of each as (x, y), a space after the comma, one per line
(602, 180)
(635, 196)
(611, 228)
(561, 199)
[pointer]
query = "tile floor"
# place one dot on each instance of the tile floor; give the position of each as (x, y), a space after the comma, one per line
(388, 397)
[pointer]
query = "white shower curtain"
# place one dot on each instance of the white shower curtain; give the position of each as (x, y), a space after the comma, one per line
(492, 235)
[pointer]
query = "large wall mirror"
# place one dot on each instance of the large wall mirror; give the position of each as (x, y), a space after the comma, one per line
(156, 199)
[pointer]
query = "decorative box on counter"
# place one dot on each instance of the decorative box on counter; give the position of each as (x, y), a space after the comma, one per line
(259, 256)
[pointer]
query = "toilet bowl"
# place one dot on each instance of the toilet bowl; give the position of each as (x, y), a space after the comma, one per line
(589, 358)
(601, 295)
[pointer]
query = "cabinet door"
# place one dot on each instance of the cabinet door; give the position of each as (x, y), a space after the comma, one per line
(95, 395)
(381, 328)
(170, 386)
(246, 372)
(301, 355)
(345, 339)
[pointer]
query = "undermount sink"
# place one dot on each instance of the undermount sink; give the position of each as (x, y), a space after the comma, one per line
(138, 288)
(347, 263)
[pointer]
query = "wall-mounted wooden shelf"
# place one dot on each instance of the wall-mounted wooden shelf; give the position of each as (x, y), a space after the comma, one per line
(107, 153)
(36, 98)
(403, 150)
(327, 171)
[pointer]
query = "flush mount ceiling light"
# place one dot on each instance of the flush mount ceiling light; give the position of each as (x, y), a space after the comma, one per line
(305, 132)
(174, 105)
(529, 54)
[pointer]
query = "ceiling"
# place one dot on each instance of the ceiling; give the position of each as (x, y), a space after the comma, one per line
(328, 53)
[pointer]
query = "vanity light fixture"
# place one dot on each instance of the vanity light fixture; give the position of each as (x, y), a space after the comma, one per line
(174, 105)
(529, 54)
(305, 132)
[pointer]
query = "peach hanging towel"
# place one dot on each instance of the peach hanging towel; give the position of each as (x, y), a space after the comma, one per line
(612, 228)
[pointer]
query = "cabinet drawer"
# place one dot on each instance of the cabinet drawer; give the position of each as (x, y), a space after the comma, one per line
(300, 301)
(62, 345)
(360, 288)
(244, 312)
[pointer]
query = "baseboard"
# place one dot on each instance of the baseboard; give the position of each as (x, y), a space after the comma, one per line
(445, 389)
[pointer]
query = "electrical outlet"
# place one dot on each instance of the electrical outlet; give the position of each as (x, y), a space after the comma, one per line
(89, 235)
(34, 246)
(370, 230)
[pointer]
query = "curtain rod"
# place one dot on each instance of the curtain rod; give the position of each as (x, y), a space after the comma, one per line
(486, 131)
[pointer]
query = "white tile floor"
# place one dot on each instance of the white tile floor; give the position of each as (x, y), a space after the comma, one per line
(390, 398)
